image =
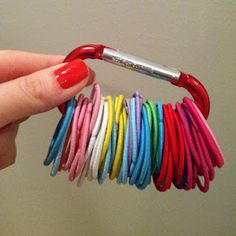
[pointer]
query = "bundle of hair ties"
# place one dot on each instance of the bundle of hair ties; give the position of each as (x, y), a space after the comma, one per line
(135, 141)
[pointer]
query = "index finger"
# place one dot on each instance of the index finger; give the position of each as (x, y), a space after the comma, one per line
(14, 64)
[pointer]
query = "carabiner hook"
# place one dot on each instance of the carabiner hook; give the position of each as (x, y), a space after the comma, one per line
(176, 77)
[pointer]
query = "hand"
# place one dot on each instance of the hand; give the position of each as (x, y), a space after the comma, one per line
(31, 84)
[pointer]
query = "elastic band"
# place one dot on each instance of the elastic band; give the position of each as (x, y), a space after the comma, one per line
(113, 144)
(55, 150)
(74, 162)
(123, 176)
(166, 184)
(58, 133)
(193, 151)
(108, 130)
(130, 133)
(74, 134)
(188, 160)
(139, 163)
(207, 133)
(91, 142)
(118, 107)
(205, 187)
(160, 136)
(105, 166)
(119, 149)
(147, 148)
(95, 95)
(163, 180)
(173, 142)
(181, 147)
(102, 174)
(124, 166)
(84, 140)
(135, 139)
(139, 102)
(134, 135)
(65, 150)
(207, 166)
(154, 135)
(207, 157)
(145, 173)
(93, 170)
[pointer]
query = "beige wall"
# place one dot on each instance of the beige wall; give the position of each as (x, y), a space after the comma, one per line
(195, 36)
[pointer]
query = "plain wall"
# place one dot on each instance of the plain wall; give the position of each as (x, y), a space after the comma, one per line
(195, 36)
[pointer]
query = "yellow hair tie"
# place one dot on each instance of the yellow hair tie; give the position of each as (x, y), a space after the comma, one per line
(119, 161)
(118, 107)
(108, 131)
(119, 149)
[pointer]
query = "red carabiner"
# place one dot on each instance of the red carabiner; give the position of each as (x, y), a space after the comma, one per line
(180, 79)
(197, 90)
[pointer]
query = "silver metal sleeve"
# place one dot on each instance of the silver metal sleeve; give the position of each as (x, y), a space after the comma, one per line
(140, 65)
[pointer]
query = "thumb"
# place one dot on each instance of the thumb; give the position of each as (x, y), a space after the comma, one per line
(42, 90)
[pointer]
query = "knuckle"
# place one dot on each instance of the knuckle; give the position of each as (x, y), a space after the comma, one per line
(12, 160)
(34, 91)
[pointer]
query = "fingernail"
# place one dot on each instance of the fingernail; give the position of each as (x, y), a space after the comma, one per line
(71, 73)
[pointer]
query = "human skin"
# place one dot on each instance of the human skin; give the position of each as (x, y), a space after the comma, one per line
(31, 84)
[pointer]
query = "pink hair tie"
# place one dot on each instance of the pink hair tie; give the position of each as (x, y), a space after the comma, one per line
(77, 153)
(74, 135)
(217, 155)
(84, 139)
(207, 157)
(193, 151)
(205, 169)
(95, 95)
(201, 168)
(88, 121)
(91, 143)
(204, 188)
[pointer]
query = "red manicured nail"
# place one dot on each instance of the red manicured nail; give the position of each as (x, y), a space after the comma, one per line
(71, 73)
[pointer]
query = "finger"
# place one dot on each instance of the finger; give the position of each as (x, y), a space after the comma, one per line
(15, 64)
(91, 77)
(8, 146)
(41, 90)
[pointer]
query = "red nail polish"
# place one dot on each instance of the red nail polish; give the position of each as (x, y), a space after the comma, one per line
(71, 73)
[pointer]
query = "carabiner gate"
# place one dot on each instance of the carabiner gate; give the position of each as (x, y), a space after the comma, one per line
(176, 77)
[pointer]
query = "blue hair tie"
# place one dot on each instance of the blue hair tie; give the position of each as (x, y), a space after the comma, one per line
(161, 135)
(139, 162)
(113, 144)
(123, 175)
(134, 136)
(145, 174)
(105, 169)
(110, 155)
(56, 146)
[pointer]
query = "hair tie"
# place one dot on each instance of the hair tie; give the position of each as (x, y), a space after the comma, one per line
(161, 136)
(94, 162)
(105, 158)
(188, 165)
(91, 144)
(134, 138)
(123, 175)
(180, 148)
(145, 172)
(56, 146)
(119, 148)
